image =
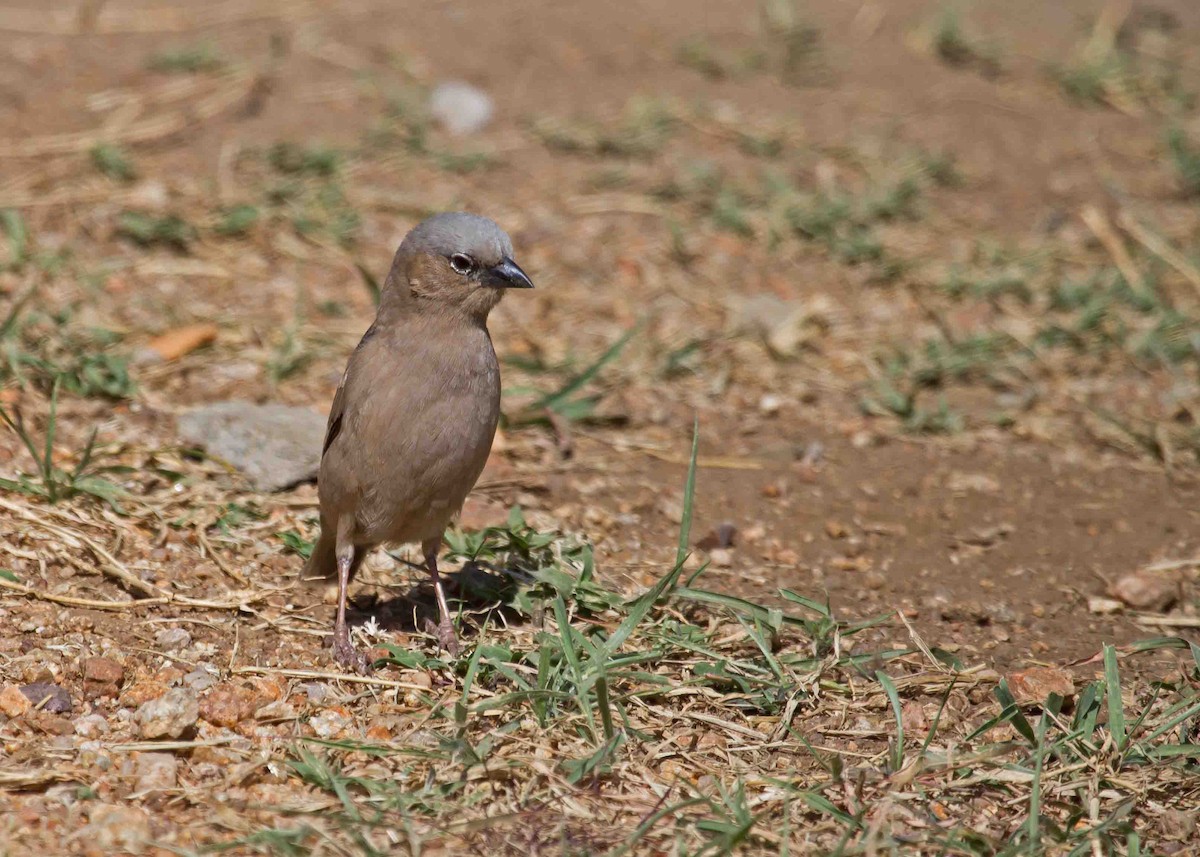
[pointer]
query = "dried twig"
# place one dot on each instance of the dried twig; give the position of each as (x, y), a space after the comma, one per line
(1097, 221)
(1160, 247)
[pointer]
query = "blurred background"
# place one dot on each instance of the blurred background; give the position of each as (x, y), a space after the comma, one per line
(928, 273)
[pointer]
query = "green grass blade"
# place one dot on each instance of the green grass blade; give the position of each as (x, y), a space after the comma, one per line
(1116, 706)
(689, 498)
(648, 599)
(1033, 824)
(557, 399)
(572, 656)
(893, 695)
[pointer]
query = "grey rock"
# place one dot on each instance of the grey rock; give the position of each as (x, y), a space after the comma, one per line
(169, 716)
(91, 726)
(276, 446)
(317, 691)
(460, 108)
(156, 772)
(172, 639)
(201, 678)
(51, 697)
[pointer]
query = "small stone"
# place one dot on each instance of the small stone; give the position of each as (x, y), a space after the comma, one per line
(116, 828)
(169, 716)
(151, 193)
(417, 677)
(981, 483)
(229, 705)
(142, 691)
(156, 772)
(770, 404)
(1104, 606)
(1033, 685)
(102, 676)
(277, 710)
(316, 691)
(13, 702)
(51, 724)
(91, 726)
(50, 697)
(173, 639)
(460, 108)
(836, 529)
(862, 439)
(276, 446)
(1146, 590)
(200, 679)
(332, 723)
(721, 557)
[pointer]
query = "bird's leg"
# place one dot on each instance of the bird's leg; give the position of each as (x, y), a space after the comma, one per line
(343, 650)
(445, 629)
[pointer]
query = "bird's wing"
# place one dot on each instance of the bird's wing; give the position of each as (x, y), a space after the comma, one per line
(338, 411)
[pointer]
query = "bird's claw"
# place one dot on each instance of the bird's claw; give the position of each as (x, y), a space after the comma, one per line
(348, 657)
(443, 632)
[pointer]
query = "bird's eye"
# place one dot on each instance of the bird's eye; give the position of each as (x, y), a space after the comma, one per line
(462, 263)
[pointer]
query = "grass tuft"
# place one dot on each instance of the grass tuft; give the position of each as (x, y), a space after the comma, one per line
(51, 482)
(190, 59)
(113, 161)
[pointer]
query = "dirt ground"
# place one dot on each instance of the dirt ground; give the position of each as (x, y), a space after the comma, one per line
(787, 207)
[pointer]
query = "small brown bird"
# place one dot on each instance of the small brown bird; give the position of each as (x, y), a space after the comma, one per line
(413, 419)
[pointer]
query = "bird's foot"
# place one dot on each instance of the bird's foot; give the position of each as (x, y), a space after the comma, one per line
(348, 657)
(444, 632)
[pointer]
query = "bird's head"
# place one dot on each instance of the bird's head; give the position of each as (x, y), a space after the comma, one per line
(456, 262)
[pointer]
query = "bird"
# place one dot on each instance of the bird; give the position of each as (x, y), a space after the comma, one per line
(415, 413)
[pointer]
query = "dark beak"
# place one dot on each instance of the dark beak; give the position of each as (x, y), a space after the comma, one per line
(507, 275)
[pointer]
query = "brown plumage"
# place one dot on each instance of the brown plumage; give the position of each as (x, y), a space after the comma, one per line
(414, 416)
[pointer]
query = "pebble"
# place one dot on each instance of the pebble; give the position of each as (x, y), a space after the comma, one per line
(770, 404)
(173, 639)
(50, 697)
(200, 678)
(1033, 685)
(102, 676)
(317, 691)
(142, 691)
(721, 557)
(156, 772)
(461, 108)
(331, 723)
(94, 754)
(169, 716)
(1146, 590)
(229, 705)
(1104, 606)
(91, 726)
(117, 828)
(13, 702)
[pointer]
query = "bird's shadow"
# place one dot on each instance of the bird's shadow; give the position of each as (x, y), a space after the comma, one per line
(477, 591)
